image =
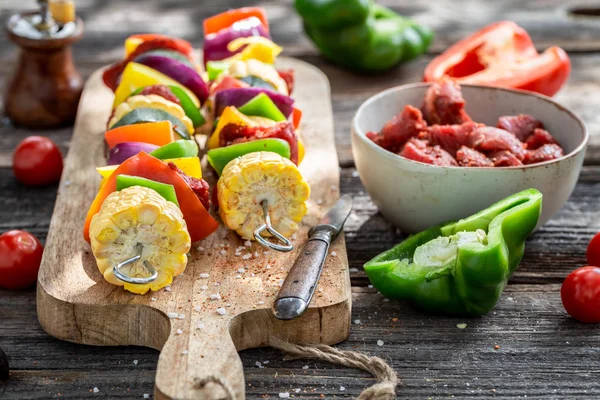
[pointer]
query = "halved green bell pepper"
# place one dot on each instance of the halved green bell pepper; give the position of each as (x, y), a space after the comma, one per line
(165, 190)
(462, 267)
(262, 106)
(221, 156)
(177, 149)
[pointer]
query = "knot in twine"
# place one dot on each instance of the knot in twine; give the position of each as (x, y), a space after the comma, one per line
(384, 389)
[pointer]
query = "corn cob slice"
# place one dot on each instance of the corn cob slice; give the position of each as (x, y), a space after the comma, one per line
(254, 177)
(151, 101)
(140, 215)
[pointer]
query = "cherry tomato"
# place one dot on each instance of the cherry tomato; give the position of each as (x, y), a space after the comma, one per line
(580, 294)
(37, 161)
(593, 251)
(20, 257)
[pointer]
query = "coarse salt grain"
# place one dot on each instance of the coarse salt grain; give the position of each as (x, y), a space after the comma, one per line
(217, 283)
(146, 396)
(221, 311)
(197, 308)
(247, 243)
(357, 322)
(135, 362)
(320, 290)
(203, 287)
(285, 395)
(172, 315)
(281, 282)
(260, 303)
(355, 174)
(153, 299)
(334, 254)
(380, 343)
(342, 388)
(305, 367)
(181, 316)
(265, 252)
(268, 267)
(256, 254)
(238, 276)
(252, 274)
(246, 256)
(266, 362)
(179, 331)
(200, 248)
(200, 325)
(297, 390)
(204, 275)
(95, 390)
(184, 352)
(353, 269)
(168, 288)
(215, 296)
(258, 364)
(223, 252)
(241, 270)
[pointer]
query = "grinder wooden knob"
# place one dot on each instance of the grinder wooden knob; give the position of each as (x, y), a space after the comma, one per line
(45, 87)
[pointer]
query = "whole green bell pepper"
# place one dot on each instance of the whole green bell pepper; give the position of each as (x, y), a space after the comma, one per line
(362, 36)
(460, 268)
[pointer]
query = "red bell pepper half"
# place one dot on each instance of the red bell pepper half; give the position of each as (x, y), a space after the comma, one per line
(199, 222)
(224, 20)
(502, 54)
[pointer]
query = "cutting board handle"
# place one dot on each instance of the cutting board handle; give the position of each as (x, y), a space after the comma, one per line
(200, 363)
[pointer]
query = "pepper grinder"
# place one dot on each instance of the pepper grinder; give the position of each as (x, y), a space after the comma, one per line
(45, 87)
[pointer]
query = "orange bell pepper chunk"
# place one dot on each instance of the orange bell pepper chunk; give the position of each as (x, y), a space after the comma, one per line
(158, 133)
(296, 117)
(199, 222)
(224, 20)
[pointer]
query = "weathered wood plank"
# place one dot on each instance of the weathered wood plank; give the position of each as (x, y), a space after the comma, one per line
(549, 22)
(348, 93)
(434, 358)
(552, 252)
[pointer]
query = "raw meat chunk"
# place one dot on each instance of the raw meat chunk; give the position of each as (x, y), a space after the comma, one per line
(522, 125)
(467, 157)
(402, 127)
(450, 137)
(490, 139)
(419, 150)
(444, 104)
(544, 153)
(539, 138)
(505, 158)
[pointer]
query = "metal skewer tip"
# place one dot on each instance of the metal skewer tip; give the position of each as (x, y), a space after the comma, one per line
(131, 279)
(286, 244)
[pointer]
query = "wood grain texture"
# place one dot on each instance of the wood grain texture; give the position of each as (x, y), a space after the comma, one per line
(74, 302)
(543, 354)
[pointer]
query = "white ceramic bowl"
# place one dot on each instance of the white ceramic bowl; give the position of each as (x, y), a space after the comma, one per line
(415, 196)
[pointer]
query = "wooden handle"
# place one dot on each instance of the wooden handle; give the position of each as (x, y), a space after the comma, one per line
(304, 274)
(200, 363)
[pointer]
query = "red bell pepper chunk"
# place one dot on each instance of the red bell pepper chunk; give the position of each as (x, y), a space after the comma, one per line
(502, 54)
(224, 20)
(199, 222)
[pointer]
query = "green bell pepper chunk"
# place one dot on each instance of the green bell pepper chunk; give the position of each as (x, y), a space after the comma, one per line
(177, 149)
(219, 158)
(215, 68)
(188, 106)
(377, 42)
(262, 106)
(165, 190)
(460, 268)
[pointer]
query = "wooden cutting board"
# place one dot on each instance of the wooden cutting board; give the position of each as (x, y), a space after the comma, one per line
(74, 302)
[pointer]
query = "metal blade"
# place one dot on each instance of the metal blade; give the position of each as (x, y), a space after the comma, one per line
(338, 214)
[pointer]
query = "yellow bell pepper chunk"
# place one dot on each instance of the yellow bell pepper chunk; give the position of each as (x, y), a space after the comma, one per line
(131, 43)
(257, 48)
(189, 165)
(138, 75)
(230, 115)
(301, 150)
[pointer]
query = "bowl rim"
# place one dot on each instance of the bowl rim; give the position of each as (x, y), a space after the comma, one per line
(398, 158)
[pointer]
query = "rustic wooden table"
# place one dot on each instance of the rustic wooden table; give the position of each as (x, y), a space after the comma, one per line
(542, 353)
